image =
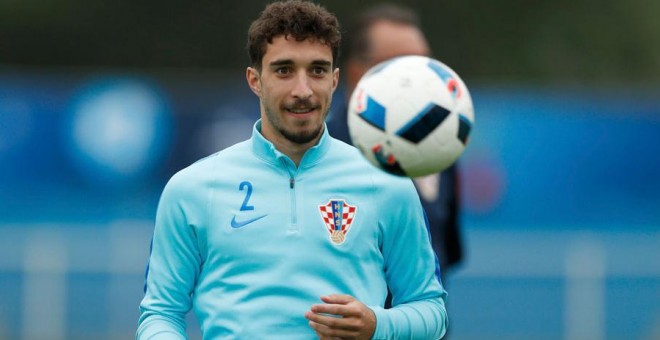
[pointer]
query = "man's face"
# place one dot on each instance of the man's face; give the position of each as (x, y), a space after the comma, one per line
(387, 40)
(295, 88)
(390, 40)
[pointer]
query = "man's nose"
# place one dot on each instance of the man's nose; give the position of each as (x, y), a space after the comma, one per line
(302, 87)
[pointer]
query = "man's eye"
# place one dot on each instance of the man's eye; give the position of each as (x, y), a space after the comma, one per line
(319, 71)
(282, 70)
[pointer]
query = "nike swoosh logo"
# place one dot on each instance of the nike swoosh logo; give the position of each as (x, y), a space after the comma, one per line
(240, 224)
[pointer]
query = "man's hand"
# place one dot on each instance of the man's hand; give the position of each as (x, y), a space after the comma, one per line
(348, 319)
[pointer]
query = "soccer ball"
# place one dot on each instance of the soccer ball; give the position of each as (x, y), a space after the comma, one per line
(410, 116)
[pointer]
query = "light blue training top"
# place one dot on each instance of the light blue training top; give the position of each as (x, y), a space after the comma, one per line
(251, 242)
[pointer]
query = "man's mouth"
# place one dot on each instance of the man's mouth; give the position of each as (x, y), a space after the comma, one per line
(300, 106)
(301, 110)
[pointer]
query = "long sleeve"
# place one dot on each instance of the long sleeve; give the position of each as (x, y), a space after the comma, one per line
(412, 273)
(174, 265)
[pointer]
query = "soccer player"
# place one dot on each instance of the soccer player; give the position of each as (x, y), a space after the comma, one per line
(291, 234)
(380, 33)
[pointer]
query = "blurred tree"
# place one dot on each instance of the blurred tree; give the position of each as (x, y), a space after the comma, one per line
(564, 41)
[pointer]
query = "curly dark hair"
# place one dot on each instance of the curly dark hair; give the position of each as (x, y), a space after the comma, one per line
(295, 18)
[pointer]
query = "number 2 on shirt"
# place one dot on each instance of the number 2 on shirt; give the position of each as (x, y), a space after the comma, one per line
(248, 186)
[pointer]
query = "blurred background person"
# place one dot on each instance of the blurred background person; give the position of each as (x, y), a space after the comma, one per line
(379, 33)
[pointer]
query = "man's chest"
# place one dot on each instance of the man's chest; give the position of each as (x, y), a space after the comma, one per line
(267, 219)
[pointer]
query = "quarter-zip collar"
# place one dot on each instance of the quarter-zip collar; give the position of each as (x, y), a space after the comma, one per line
(266, 150)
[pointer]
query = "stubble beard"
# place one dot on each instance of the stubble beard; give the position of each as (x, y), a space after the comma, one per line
(300, 137)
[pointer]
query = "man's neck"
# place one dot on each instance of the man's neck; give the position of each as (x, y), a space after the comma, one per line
(295, 151)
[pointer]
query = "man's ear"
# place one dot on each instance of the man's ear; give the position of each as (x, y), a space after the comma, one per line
(335, 78)
(252, 77)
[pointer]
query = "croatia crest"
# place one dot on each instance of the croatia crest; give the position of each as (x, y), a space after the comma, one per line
(337, 216)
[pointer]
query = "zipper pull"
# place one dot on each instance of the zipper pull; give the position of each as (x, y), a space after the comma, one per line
(291, 182)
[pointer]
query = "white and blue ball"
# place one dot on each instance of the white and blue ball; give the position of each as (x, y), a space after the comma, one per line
(411, 116)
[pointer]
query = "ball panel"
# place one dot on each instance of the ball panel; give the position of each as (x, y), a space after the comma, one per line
(374, 114)
(464, 128)
(423, 123)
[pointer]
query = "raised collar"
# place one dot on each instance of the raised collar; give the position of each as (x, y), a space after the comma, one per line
(265, 150)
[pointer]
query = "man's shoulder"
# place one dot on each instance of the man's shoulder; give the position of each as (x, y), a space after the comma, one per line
(226, 160)
(353, 162)
(238, 151)
(349, 156)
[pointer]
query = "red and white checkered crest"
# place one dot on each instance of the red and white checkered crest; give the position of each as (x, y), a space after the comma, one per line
(338, 217)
